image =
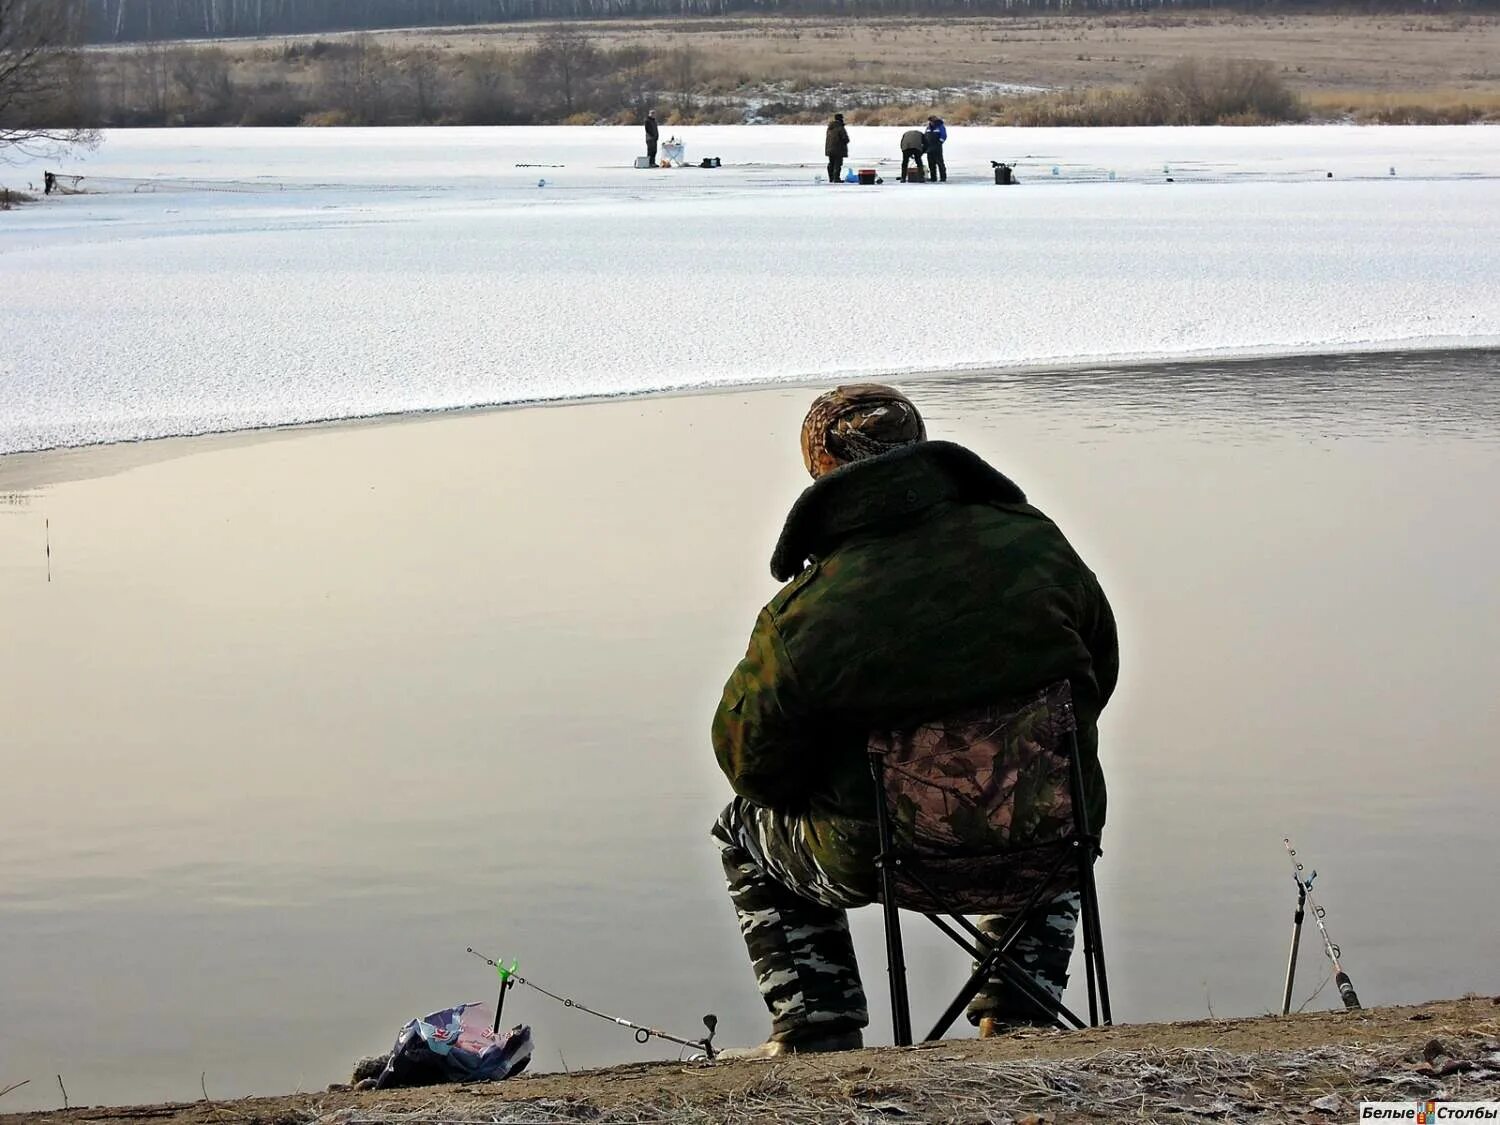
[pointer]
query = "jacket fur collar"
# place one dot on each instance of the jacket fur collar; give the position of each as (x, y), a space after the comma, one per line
(885, 489)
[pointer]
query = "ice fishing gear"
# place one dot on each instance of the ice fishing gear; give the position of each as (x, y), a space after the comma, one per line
(1305, 899)
(509, 977)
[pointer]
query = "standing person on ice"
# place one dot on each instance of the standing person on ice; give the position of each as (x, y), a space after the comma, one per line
(836, 148)
(913, 141)
(933, 140)
(922, 586)
(651, 134)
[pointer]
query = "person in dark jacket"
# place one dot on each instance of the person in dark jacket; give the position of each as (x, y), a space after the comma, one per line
(934, 139)
(922, 585)
(913, 141)
(651, 134)
(836, 148)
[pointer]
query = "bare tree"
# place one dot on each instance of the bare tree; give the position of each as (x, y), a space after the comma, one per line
(423, 77)
(561, 65)
(204, 80)
(360, 80)
(684, 69)
(630, 73)
(152, 82)
(484, 90)
(34, 39)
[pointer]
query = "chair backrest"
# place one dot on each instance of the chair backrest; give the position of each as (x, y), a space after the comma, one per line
(981, 803)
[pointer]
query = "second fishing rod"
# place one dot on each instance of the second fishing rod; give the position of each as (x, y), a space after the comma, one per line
(1304, 900)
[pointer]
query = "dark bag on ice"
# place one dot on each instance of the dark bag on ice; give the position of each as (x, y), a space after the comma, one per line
(455, 1045)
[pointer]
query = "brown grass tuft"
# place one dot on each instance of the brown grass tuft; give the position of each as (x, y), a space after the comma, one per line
(1410, 107)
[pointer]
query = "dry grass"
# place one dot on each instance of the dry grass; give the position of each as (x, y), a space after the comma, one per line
(1097, 70)
(9, 198)
(1154, 1087)
(1355, 52)
(1275, 1069)
(1407, 107)
(1190, 92)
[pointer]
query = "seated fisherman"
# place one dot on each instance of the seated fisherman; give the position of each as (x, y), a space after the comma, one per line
(922, 584)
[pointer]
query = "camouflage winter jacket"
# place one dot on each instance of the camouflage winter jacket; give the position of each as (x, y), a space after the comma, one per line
(925, 586)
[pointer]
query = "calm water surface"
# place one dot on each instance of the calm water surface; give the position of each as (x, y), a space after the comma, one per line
(301, 715)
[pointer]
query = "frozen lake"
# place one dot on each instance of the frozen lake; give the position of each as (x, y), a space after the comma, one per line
(396, 270)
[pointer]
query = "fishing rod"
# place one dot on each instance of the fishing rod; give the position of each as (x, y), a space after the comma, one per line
(509, 978)
(1305, 899)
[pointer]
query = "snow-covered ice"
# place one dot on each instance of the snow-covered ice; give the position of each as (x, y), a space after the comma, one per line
(420, 269)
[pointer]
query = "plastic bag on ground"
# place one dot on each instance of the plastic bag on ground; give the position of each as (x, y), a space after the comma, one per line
(455, 1045)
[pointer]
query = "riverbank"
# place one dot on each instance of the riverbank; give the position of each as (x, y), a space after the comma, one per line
(1313, 1067)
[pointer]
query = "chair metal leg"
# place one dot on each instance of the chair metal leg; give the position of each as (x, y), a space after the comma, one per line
(976, 951)
(998, 962)
(895, 955)
(992, 956)
(984, 940)
(1085, 915)
(1088, 892)
(1089, 909)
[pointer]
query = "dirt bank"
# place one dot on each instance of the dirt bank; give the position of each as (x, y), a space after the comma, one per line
(1304, 1068)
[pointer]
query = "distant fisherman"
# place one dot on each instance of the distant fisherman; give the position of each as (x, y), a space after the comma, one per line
(836, 147)
(651, 135)
(913, 141)
(934, 139)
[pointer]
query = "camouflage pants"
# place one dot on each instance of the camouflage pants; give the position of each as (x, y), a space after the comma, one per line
(792, 916)
(1043, 948)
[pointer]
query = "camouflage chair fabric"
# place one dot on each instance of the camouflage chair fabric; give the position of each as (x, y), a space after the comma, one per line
(983, 803)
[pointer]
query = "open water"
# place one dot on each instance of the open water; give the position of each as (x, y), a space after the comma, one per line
(292, 718)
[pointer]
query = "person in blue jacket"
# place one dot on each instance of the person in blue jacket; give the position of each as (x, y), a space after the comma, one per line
(933, 140)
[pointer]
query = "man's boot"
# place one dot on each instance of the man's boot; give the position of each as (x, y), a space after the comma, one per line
(992, 1027)
(806, 1045)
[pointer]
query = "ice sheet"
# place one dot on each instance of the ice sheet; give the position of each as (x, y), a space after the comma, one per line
(389, 270)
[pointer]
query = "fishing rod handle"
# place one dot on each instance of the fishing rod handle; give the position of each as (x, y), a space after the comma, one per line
(1346, 990)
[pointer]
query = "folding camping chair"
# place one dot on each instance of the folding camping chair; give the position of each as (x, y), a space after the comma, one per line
(1010, 774)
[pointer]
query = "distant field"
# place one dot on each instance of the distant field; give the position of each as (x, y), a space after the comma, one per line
(1141, 69)
(1455, 53)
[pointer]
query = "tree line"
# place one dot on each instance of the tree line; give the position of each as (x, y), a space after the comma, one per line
(358, 80)
(117, 21)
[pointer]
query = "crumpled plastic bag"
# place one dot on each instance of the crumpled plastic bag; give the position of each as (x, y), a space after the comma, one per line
(455, 1045)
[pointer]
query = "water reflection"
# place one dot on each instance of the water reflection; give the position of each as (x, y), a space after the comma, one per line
(1242, 400)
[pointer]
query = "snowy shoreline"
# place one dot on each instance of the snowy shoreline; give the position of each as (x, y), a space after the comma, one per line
(1122, 365)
